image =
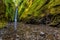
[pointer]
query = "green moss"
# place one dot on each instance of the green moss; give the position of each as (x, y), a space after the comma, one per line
(3, 24)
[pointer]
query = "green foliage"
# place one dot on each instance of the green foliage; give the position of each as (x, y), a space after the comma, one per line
(3, 24)
(9, 9)
(2, 8)
(36, 9)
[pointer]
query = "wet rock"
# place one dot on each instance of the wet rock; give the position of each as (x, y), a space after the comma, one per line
(17, 36)
(42, 34)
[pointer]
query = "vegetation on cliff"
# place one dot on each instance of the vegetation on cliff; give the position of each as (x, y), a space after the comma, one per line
(29, 10)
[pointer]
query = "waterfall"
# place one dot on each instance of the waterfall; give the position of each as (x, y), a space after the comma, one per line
(15, 23)
(15, 18)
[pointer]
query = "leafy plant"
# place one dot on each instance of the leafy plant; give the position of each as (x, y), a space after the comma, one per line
(35, 9)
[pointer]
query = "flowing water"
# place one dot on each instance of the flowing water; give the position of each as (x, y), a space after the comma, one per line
(15, 19)
(15, 22)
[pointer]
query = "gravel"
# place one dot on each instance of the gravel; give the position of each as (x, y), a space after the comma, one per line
(30, 32)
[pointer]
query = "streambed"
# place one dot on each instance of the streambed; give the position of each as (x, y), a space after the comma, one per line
(30, 32)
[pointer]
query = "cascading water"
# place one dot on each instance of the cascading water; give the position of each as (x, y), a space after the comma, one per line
(15, 23)
(16, 2)
(15, 19)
